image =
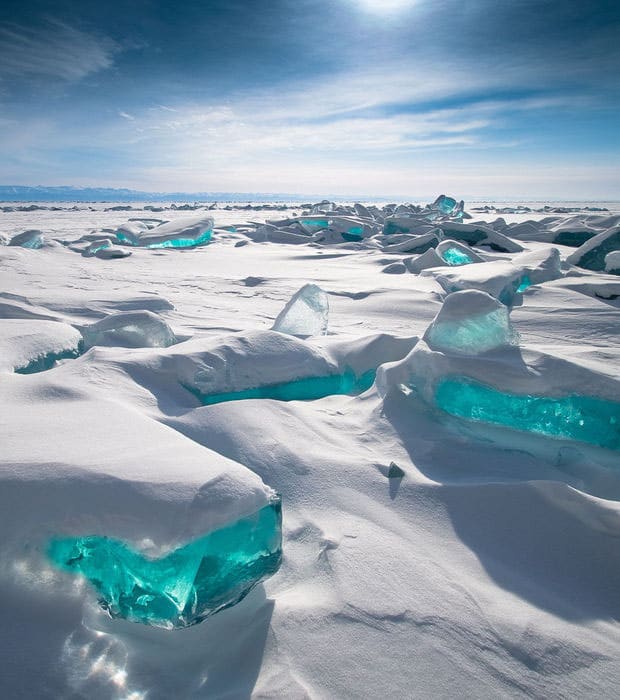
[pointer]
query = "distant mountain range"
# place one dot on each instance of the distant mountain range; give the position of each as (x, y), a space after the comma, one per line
(21, 193)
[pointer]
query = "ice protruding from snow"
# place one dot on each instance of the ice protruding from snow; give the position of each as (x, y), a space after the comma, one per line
(306, 313)
(612, 262)
(186, 232)
(456, 254)
(592, 254)
(104, 248)
(469, 323)
(479, 235)
(502, 279)
(423, 262)
(130, 329)
(185, 586)
(32, 239)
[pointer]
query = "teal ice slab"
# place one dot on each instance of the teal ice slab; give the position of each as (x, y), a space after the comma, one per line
(315, 223)
(186, 586)
(306, 389)
(455, 257)
(203, 239)
(575, 417)
(47, 361)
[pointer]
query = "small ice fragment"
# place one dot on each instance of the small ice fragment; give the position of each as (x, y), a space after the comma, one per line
(306, 313)
(32, 239)
(470, 322)
(130, 329)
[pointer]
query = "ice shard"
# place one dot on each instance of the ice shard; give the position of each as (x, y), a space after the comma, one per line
(470, 322)
(130, 329)
(187, 585)
(306, 314)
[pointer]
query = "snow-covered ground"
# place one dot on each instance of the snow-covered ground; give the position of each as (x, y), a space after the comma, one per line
(485, 563)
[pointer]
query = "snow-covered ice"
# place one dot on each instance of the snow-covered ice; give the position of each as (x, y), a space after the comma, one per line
(446, 451)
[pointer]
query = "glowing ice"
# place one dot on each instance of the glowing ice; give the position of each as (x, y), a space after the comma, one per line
(130, 329)
(306, 313)
(186, 232)
(305, 389)
(470, 322)
(186, 586)
(583, 418)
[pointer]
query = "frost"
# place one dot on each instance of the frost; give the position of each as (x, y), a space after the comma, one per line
(470, 322)
(130, 329)
(306, 313)
(186, 586)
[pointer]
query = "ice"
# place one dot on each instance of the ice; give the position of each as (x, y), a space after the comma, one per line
(28, 239)
(425, 261)
(469, 323)
(502, 279)
(96, 246)
(575, 417)
(456, 254)
(130, 329)
(592, 254)
(612, 262)
(306, 314)
(186, 586)
(186, 232)
(305, 389)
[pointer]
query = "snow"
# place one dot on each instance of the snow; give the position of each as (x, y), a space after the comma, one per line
(425, 554)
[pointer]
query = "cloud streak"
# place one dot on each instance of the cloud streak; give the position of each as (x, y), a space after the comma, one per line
(53, 50)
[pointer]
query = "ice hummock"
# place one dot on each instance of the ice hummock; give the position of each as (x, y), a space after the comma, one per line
(32, 239)
(305, 314)
(469, 323)
(186, 232)
(592, 254)
(186, 586)
(130, 329)
(468, 365)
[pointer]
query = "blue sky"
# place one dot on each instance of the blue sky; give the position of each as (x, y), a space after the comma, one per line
(503, 98)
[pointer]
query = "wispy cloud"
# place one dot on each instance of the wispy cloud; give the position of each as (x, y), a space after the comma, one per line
(54, 49)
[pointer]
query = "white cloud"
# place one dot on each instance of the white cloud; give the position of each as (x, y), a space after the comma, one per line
(54, 50)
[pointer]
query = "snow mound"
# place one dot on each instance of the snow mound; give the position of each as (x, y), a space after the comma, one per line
(592, 254)
(29, 345)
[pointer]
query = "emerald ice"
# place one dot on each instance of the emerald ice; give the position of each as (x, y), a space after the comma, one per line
(185, 586)
(454, 257)
(575, 417)
(306, 389)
